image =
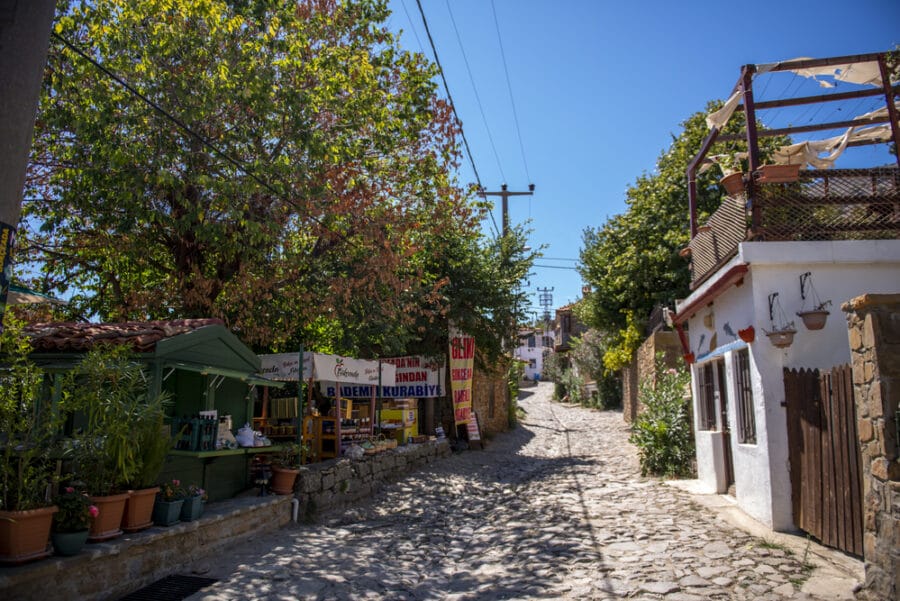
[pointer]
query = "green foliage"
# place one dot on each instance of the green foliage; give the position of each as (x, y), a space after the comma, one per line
(110, 392)
(27, 426)
(513, 377)
(574, 386)
(553, 367)
(589, 355)
(663, 431)
(631, 262)
(154, 442)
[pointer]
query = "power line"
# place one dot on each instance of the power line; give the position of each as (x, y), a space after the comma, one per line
(509, 87)
(555, 267)
(462, 132)
(185, 128)
(413, 27)
(475, 89)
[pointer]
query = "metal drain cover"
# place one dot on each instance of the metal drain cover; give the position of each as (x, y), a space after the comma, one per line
(170, 588)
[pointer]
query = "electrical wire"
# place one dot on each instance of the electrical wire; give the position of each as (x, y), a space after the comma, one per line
(509, 87)
(413, 27)
(475, 89)
(555, 267)
(462, 133)
(186, 129)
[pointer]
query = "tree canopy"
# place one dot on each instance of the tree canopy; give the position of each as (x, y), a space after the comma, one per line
(631, 262)
(308, 197)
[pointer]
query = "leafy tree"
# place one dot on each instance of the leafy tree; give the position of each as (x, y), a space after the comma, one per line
(632, 261)
(588, 354)
(663, 431)
(341, 201)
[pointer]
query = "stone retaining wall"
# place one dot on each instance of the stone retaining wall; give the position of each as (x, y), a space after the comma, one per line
(330, 485)
(874, 328)
(643, 368)
(115, 568)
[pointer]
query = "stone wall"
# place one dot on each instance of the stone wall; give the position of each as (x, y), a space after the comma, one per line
(115, 568)
(330, 485)
(874, 328)
(490, 399)
(643, 368)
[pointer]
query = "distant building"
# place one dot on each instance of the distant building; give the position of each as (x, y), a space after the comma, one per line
(533, 346)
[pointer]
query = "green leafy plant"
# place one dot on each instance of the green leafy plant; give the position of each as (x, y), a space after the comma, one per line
(75, 511)
(171, 491)
(27, 426)
(662, 431)
(154, 442)
(516, 369)
(108, 391)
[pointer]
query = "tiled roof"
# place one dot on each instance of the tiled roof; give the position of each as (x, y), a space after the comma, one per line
(142, 336)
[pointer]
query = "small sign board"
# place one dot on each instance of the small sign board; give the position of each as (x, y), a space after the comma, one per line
(473, 429)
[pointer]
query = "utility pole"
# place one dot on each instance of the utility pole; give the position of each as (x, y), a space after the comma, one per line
(545, 300)
(24, 41)
(504, 193)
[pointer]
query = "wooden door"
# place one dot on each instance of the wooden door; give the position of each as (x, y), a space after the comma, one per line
(825, 463)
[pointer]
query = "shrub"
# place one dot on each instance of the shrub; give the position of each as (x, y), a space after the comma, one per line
(662, 431)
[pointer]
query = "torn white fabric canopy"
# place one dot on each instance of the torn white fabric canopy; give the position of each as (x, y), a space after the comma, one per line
(719, 118)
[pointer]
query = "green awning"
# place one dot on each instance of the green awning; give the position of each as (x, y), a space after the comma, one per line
(24, 296)
(243, 376)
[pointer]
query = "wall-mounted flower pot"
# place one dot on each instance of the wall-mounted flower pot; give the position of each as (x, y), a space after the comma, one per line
(733, 183)
(776, 174)
(748, 334)
(782, 338)
(814, 320)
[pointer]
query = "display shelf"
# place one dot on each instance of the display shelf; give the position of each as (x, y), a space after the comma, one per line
(227, 452)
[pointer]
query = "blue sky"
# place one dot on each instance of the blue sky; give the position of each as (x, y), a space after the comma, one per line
(601, 86)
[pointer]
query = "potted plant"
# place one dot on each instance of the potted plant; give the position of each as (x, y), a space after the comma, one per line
(284, 469)
(194, 499)
(27, 432)
(106, 390)
(782, 337)
(154, 442)
(72, 522)
(167, 507)
(732, 171)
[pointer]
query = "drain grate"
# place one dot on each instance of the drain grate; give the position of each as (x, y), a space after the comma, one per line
(170, 588)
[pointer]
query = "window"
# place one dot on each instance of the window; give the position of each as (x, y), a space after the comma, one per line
(746, 416)
(706, 389)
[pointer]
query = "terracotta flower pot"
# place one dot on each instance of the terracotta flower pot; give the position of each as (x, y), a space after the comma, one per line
(733, 183)
(108, 522)
(814, 320)
(774, 174)
(24, 534)
(138, 513)
(282, 482)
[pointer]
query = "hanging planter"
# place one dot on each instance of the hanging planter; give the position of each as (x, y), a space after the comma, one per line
(815, 318)
(748, 334)
(733, 183)
(776, 174)
(782, 338)
(782, 334)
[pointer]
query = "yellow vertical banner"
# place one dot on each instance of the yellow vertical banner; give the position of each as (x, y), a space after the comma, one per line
(462, 363)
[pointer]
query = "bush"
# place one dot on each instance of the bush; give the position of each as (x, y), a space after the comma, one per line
(662, 431)
(573, 387)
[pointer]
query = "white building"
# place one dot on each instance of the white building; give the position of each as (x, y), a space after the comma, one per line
(738, 390)
(533, 345)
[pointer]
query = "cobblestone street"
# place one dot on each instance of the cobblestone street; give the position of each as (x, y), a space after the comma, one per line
(554, 509)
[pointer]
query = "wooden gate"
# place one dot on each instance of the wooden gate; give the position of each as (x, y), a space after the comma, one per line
(826, 480)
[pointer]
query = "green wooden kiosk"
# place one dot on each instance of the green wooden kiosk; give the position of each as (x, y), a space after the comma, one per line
(199, 362)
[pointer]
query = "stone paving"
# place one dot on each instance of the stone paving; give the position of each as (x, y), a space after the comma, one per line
(554, 509)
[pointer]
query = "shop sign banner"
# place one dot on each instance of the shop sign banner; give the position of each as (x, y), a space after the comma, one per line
(462, 363)
(415, 376)
(346, 370)
(285, 367)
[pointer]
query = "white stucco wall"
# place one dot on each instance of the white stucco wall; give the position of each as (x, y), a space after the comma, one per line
(840, 270)
(526, 353)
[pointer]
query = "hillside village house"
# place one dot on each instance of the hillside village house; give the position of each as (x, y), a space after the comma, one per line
(778, 246)
(532, 347)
